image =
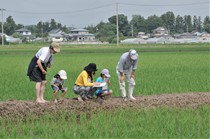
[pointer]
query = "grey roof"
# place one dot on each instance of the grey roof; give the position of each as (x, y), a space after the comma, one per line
(55, 35)
(89, 34)
(79, 30)
(23, 30)
(55, 31)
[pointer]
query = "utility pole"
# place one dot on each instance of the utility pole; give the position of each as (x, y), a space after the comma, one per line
(2, 26)
(42, 29)
(187, 28)
(117, 24)
(132, 29)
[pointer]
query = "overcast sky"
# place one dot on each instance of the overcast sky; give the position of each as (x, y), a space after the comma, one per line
(81, 13)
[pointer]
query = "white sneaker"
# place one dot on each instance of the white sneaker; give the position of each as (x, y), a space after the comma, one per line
(132, 98)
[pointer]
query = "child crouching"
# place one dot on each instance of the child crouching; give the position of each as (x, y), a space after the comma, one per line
(101, 92)
(57, 84)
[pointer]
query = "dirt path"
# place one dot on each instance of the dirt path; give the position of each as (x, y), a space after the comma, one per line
(15, 108)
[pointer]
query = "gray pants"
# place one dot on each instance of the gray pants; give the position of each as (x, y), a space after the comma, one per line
(84, 90)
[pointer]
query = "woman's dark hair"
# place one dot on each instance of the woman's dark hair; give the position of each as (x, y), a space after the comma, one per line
(90, 75)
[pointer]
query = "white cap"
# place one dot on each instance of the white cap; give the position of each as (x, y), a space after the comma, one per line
(62, 74)
(105, 72)
(133, 54)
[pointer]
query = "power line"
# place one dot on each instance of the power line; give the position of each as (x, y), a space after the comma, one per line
(150, 5)
(107, 5)
(66, 12)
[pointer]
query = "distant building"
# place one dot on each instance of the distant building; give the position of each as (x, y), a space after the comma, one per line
(23, 31)
(81, 35)
(160, 32)
(142, 35)
(56, 35)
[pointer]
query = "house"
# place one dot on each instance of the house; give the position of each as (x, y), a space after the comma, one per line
(142, 35)
(81, 35)
(23, 31)
(56, 35)
(160, 32)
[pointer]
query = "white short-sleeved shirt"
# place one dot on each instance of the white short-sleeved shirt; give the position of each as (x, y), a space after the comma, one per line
(125, 63)
(44, 54)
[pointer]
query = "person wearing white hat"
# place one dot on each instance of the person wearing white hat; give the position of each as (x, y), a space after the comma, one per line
(37, 68)
(57, 83)
(101, 92)
(126, 69)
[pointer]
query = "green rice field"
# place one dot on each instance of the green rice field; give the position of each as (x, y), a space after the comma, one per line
(162, 69)
(159, 70)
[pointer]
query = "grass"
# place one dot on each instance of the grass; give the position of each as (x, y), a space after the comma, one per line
(157, 73)
(129, 123)
(161, 69)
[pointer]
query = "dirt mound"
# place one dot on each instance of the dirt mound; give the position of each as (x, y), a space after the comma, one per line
(15, 108)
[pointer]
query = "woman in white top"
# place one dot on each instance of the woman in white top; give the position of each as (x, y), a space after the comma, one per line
(37, 68)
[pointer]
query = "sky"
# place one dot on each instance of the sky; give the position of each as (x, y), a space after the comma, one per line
(83, 13)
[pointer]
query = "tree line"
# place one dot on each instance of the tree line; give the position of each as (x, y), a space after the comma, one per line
(106, 31)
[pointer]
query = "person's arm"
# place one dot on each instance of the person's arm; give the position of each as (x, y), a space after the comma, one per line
(39, 63)
(121, 77)
(132, 74)
(134, 68)
(108, 82)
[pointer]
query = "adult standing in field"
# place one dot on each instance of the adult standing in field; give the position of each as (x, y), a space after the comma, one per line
(126, 69)
(37, 68)
(84, 85)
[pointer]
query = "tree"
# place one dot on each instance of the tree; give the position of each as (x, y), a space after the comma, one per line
(92, 29)
(206, 24)
(188, 23)
(153, 22)
(65, 29)
(53, 24)
(39, 29)
(9, 26)
(122, 22)
(106, 31)
(168, 21)
(179, 24)
(199, 24)
(196, 23)
(139, 24)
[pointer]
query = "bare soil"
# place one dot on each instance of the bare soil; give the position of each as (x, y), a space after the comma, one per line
(20, 108)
